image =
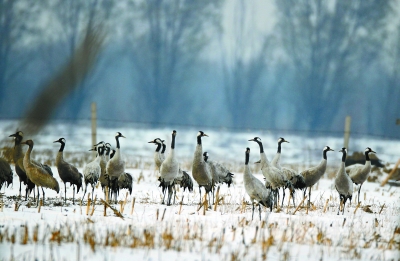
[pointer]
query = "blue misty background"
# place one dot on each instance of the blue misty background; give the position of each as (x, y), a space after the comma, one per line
(277, 65)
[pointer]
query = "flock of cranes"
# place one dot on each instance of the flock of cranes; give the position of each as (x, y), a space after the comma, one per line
(108, 169)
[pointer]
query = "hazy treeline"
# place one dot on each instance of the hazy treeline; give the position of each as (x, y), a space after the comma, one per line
(287, 64)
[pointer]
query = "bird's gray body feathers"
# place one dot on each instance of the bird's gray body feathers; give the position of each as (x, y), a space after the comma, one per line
(169, 168)
(343, 183)
(6, 174)
(125, 182)
(68, 172)
(314, 174)
(201, 171)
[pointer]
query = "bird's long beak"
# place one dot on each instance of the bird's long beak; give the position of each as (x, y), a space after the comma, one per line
(205, 135)
(12, 135)
(287, 141)
(56, 141)
(373, 151)
(122, 136)
(259, 161)
(152, 141)
(251, 140)
(333, 150)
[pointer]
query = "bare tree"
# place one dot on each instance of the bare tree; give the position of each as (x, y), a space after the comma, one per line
(75, 19)
(15, 30)
(328, 42)
(391, 106)
(169, 37)
(244, 62)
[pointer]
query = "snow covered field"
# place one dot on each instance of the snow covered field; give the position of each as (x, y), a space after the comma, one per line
(151, 231)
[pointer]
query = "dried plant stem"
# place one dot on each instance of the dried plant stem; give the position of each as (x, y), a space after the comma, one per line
(180, 207)
(106, 189)
(216, 199)
(358, 205)
(88, 205)
(288, 206)
(255, 236)
(116, 212)
(300, 205)
(380, 211)
(326, 205)
(162, 218)
(123, 203)
(40, 205)
(133, 205)
(205, 204)
(94, 204)
(389, 176)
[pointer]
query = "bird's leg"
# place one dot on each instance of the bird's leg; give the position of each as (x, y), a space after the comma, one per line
(174, 188)
(200, 194)
(163, 190)
(26, 191)
(38, 196)
(43, 195)
(309, 197)
(339, 204)
(283, 195)
(65, 192)
(252, 213)
(209, 200)
(292, 193)
(359, 189)
(170, 192)
(277, 197)
(259, 210)
(20, 189)
(73, 195)
(213, 196)
(92, 191)
(84, 193)
(344, 203)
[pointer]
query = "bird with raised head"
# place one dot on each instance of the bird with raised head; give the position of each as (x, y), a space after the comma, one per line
(115, 167)
(343, 183)
(255, 188)
(200, 169)
(38, 173)
(67, 172)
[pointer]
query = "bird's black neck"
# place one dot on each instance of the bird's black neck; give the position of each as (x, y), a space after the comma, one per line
(261, 146)
(62, 146)
(344, 156)
(199, 139)
(246, 162)
(324, 154)
(100, 151)
(279, 147)
(205, 158)
(367, 156)
(107, 151)
(116, 138)
(163, 148)
(158, 147)
(173, 142)
(18, 140)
